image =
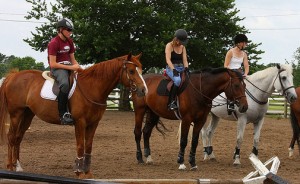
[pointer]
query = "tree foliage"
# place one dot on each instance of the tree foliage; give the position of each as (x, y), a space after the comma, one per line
(106, 29)
(12, 62)
(296, 66)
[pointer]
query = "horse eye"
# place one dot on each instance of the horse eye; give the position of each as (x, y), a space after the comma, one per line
(131, 72)
(283, 78)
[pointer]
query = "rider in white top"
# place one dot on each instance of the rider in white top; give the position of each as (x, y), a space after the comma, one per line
(235, 57)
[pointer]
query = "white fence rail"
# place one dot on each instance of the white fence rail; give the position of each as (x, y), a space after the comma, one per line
(277, 105)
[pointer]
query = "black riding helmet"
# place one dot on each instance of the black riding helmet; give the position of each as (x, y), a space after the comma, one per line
(182, 36)
(240, 38)
(65, 23)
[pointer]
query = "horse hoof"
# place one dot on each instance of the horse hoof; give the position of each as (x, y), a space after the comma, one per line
(141, 162)
(80, 175)
(195, 168)
(88, 175)
(149, 160)
(182, 167)
(237, 163)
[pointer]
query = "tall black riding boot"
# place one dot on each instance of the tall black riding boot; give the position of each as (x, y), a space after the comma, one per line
(172, 98)
(64, 115)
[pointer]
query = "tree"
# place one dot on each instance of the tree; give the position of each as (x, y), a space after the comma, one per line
(106, 29)
(296, 67)
(12, 62)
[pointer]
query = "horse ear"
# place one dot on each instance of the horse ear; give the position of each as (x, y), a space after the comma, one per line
(139, 56)
(129, 56)
(278, 65)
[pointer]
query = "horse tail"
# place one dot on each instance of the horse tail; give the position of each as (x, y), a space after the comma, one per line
(153, 119)
(3, 113)
(294, 123)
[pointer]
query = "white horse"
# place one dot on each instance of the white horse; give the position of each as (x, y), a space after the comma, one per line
(259, 87)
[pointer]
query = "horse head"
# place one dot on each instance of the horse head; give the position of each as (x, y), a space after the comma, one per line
(235, 90)
(283, 82)
(132, 75)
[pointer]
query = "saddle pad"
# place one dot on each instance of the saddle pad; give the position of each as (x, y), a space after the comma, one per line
(162, 88)
(47, 93)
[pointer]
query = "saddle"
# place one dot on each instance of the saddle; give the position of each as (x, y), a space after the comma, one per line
(164, 86)
(55, 88)
(50, 88)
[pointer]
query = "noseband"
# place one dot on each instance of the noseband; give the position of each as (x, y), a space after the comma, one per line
(282, 87)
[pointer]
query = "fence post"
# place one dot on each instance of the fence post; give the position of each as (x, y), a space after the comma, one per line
(285, 108)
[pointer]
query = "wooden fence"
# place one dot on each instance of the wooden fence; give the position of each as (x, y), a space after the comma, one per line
(277, 104)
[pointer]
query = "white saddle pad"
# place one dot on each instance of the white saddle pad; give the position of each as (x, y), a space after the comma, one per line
(47, 93)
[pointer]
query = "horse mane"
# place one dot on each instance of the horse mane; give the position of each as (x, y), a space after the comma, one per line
(266, 72)
(210, 70)
(104, 69)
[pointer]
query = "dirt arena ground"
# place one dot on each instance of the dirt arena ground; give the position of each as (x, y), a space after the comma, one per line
(50, 149)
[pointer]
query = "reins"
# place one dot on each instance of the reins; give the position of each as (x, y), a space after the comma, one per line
(212, 100)
(263, 103)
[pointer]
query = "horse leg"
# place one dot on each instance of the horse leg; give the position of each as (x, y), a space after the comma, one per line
(139, 117)
(292, 144)
(194, 144)
(185, 126)
(151, 120)
(257, 129)
(80, 133)
(87, 157)
(241, 125)
(20, 122)
(208, 135)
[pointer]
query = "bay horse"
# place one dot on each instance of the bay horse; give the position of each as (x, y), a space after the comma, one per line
(20, 101)
(195, 104)
(295, 122)
(260, 86)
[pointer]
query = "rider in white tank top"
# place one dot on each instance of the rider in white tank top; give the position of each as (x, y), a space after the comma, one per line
(236, 56)
(236, 62)
(234, 59)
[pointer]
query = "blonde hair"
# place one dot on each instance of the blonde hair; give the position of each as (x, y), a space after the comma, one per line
(175, 42)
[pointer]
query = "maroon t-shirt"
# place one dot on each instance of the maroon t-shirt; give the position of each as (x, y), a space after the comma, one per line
(61, 49)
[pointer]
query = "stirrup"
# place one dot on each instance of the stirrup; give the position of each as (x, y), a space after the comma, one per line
(230, 108)
(66, 119)
(172, 106)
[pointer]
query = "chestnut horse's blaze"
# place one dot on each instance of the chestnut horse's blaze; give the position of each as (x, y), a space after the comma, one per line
(20, 102)
(195, 104)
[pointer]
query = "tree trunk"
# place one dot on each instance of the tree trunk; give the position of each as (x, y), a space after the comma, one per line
(124, 104)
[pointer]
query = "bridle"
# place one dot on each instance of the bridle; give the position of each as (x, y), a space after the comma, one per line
(265, 102)
(132, 84)
(236, 100)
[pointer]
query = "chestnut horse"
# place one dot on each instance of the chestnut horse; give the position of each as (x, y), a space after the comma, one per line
(195, 104)
(20, 101)
(295, 121)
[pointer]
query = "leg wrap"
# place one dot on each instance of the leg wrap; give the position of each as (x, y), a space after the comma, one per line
(147, 152)
(255, 151)
(87, 162)
(180, 158)
(192, 159)
(237, 152)
(78, 165)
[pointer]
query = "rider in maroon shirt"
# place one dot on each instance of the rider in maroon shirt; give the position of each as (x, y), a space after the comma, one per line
(62, 60)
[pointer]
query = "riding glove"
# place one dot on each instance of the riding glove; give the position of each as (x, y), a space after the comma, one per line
(175, 73)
